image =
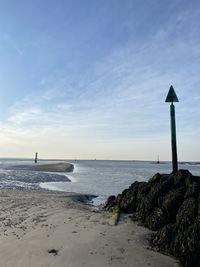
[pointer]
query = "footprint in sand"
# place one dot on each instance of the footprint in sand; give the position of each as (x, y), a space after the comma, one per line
(122, 250)
(53, 251)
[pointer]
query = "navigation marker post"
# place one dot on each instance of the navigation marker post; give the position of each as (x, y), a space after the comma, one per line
(171, 97)
(36, 155)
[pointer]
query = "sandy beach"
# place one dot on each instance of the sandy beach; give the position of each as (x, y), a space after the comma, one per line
(40, 229)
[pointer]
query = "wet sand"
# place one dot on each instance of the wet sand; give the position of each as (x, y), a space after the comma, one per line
(46, 229)
(57, 167)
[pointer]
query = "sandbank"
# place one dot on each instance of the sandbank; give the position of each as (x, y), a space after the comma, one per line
(57, 167)
(48, 229)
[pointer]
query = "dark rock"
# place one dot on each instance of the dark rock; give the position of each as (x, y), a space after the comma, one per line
(160, 201)
(129, 199)
(155, 179)
(170, 205)
(110, 203)
(187, 213)
(164, 177)
(163, 239)
(198, 215)
(182, 178)
(156, 219)
(149, 202)
(186, 246)
(121, 198)
(193, 190)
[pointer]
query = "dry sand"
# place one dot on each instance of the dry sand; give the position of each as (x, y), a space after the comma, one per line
(32, 224)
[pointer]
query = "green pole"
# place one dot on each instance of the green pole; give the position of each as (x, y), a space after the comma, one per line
(172, 97)
(173, 139)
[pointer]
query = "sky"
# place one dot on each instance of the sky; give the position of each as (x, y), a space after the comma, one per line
(88, 79)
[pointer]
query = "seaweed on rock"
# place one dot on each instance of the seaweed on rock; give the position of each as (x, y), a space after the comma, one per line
(170, 205)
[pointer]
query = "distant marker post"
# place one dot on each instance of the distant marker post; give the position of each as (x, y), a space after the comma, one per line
(171, 97)
(36, 155)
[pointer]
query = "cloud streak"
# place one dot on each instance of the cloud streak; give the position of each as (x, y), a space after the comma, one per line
(117, 98)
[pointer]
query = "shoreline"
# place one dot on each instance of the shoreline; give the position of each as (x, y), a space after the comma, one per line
(61, 167)
(51, 229)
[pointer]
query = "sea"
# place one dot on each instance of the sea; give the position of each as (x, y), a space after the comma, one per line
(101, 178)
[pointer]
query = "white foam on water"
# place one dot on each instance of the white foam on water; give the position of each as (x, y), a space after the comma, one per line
(55, 186)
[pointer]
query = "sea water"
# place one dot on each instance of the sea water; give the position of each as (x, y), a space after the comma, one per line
(98, 177)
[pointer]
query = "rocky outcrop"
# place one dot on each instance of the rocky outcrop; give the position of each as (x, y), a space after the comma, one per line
(169, 204)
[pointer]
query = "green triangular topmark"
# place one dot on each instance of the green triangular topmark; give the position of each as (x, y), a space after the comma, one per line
(171, 97)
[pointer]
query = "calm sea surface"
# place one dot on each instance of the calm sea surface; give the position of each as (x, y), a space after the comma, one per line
(97, 177)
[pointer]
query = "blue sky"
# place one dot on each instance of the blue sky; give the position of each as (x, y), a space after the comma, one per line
(88, 79)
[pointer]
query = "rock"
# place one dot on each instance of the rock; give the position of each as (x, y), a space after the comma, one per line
(156, 220)
(110, 203)
(162, 239)
(187, 213)
(186, 246)
(149, 201)
(193, 190)
(155, 179)
(170, 205)
(182, 178)
(183, 245)
(128, 200)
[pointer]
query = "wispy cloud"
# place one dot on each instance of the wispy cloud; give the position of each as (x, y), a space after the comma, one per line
(125, 92)
(10, 42)
(119, 97)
